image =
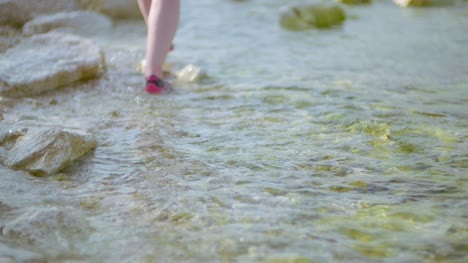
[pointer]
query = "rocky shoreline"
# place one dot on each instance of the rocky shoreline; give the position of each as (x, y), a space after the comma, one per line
(45, 52)
(43, 48)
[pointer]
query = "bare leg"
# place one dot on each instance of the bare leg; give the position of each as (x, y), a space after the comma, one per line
(163, 20)
(144, 8)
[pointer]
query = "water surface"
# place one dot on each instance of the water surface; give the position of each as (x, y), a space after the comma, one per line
(340, 145)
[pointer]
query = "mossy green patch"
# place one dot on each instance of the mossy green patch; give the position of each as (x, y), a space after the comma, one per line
(374, 251)
(180, 217)
(289, 259)
(358, 235)
(274, 191)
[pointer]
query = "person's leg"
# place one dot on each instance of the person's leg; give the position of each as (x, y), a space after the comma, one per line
(144, 8)
(163, 20)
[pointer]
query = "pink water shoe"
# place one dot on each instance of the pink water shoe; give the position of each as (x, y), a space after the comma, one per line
(154, 85)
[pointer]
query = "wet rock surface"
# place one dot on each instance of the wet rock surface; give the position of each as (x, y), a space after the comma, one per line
(306, 17)
(4, 208)
(426, 3)
(190, 74)
(53, 60)
(11, 13)
(39, 7)
(77, 22)
(355, 2)
(53, 231)
(118, 9)
(11, 254)
(44, 151)
(121, 8)
(9, 37)
(18, 12)
(406, 3)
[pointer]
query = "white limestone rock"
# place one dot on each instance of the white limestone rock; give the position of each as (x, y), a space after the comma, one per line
(47, 61)
(53, 231)
(190, 74)
(45, 151)
(77, 22)
(405, 3)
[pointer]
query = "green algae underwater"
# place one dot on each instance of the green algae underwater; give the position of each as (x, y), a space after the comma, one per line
(339, 145)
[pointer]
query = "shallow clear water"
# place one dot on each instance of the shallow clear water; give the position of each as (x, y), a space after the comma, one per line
(344, 145)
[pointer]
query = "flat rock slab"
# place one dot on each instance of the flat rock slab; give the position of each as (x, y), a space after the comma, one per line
(47, 61)
(78, 21)
(44, 151)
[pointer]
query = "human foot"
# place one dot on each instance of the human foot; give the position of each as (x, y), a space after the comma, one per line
(154, 85)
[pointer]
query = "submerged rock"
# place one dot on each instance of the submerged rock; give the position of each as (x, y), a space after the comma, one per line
(11, 13)
(405, 3)
(121, 8)
(78, 21)
(8, 139)
(45, 151)
(9, 37)
(9, 254)
(46, 62)
(4, 208)
(306, 17)
(420, 3)
(355, 2)
(167, 68)
(52, 231)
